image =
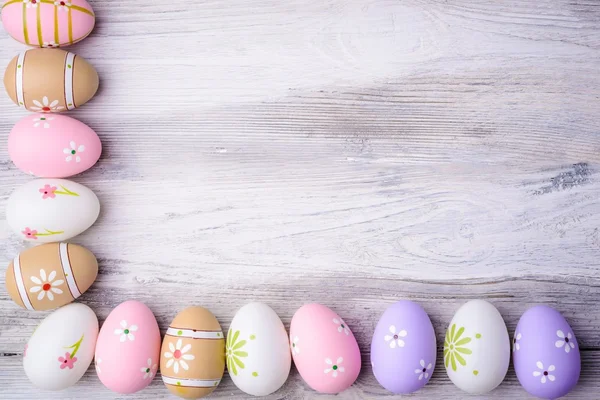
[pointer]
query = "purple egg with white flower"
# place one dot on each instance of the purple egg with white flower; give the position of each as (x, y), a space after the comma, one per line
(545, 353)
(403, 350)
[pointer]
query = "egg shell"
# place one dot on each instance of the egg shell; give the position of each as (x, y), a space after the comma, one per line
(477, 348)
(48, 24)
(258, 351)
(324, 349)
(128, 348)
(192, 357)
(545, 343)
(61, 348)
(50, 80)
(403, 350)
(51, 210)
(50, 275)
(53, 146)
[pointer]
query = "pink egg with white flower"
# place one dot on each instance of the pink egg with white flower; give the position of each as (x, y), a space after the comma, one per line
(128, 348)
(53, 146)
(324, 349)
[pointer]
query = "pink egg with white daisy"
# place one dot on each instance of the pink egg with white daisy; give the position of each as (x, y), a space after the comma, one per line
(53, 146)
(128, 348)
(324, 349)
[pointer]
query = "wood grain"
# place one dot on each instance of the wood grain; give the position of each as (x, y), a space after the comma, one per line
(347, 152)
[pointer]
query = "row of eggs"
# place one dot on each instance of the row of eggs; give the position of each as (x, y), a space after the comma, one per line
(127, 348)
(50, 145)
(258, 351)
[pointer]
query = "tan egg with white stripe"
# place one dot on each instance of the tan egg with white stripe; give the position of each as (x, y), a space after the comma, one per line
(50, 276)
(192, 357)
(50, 80)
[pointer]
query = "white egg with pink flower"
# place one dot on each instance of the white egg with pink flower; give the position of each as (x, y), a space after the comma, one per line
(61, 348)
(51, 210)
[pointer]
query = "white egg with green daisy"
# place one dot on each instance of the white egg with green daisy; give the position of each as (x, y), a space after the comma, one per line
(257, 350)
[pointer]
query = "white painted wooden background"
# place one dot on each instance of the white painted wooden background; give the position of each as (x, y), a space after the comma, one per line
(348, 152)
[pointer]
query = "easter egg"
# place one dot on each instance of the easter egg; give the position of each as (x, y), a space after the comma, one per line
(324, 349)
(128, 348)
(50, 275)
(192, 357)
(477, 348)
(61, 348)
(403, 350)
(48, 23)
(53, 146)
(257, 349)
(51, 210)
(546, 353)
(50, 80)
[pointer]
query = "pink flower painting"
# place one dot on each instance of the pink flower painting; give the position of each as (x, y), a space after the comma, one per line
(48, 192)
(30, 233)
(67, 361)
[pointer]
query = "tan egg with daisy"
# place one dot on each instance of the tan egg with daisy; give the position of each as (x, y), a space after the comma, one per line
(192, 357)
(50, 80)
(50, 276)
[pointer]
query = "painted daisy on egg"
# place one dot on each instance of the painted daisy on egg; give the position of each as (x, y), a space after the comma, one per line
(516, 344)
(63, 5)
(565, 341)
(294, 346)
(234, 352)
(149, 369)
(178, 357)
(455, 347)
(73, 152)
(31, 3)
(46, 106)
(544, 373)
(342, 327)
(424, 371)
(394, 338)
(126, 331)
(334, 368)
(46, 285)
(42, 121)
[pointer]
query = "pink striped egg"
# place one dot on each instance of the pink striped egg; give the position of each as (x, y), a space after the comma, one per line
(53, 146)
(48, 23)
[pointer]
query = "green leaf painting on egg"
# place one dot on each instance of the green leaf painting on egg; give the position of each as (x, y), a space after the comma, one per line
(234, 352)
(455, 347)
